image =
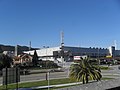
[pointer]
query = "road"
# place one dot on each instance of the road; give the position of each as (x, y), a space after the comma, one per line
(40, 76)
(113, 73)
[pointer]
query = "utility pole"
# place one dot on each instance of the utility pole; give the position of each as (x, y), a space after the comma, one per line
(29, 45)
(16, 50)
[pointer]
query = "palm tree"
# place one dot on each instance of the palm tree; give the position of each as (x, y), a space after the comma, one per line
(83, 70)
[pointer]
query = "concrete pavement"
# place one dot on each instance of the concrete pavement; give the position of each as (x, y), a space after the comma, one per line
(100, 85)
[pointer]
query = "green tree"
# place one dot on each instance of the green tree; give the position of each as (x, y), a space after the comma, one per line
(83, 71)
(35, 59)
(5, 61)
(1, 65)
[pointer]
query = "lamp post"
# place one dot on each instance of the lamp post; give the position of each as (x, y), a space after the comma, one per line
(48, 79)
(46, 54)
(17, 78)
(46, 59)
(98, 57)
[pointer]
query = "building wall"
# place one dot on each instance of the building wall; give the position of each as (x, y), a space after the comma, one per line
(87, 51)
(48, 53)
(117, 53)
(112, 51)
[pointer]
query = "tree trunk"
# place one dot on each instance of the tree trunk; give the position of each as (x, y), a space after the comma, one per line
(83, 81)
(86, 78)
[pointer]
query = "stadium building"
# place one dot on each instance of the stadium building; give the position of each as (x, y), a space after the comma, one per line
(67, 53)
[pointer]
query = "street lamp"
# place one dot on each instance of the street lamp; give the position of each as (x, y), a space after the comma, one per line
(46, 59)
(48, 79)
(98, 56)
(45, 47)
(62, 55)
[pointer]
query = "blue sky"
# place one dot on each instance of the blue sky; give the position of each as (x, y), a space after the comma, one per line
(86, 23)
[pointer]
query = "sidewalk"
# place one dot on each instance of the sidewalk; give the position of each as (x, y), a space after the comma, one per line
(59, 85)
(92, 85)
(100, 85)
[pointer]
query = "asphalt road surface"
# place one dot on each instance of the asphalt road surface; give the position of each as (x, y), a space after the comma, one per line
(40, 76)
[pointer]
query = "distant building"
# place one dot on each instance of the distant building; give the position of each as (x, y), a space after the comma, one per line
(68, 53)
(23, 59)
(112, 51)
(9, 53)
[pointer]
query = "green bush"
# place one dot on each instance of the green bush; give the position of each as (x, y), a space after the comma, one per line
(47, 64)
(104, 68)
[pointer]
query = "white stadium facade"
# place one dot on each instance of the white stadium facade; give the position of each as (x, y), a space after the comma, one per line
(67, 53)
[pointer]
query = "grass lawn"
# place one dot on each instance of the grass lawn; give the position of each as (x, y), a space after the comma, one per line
(39, 83)
(73, 85)
(105, 68)
(43, 83)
